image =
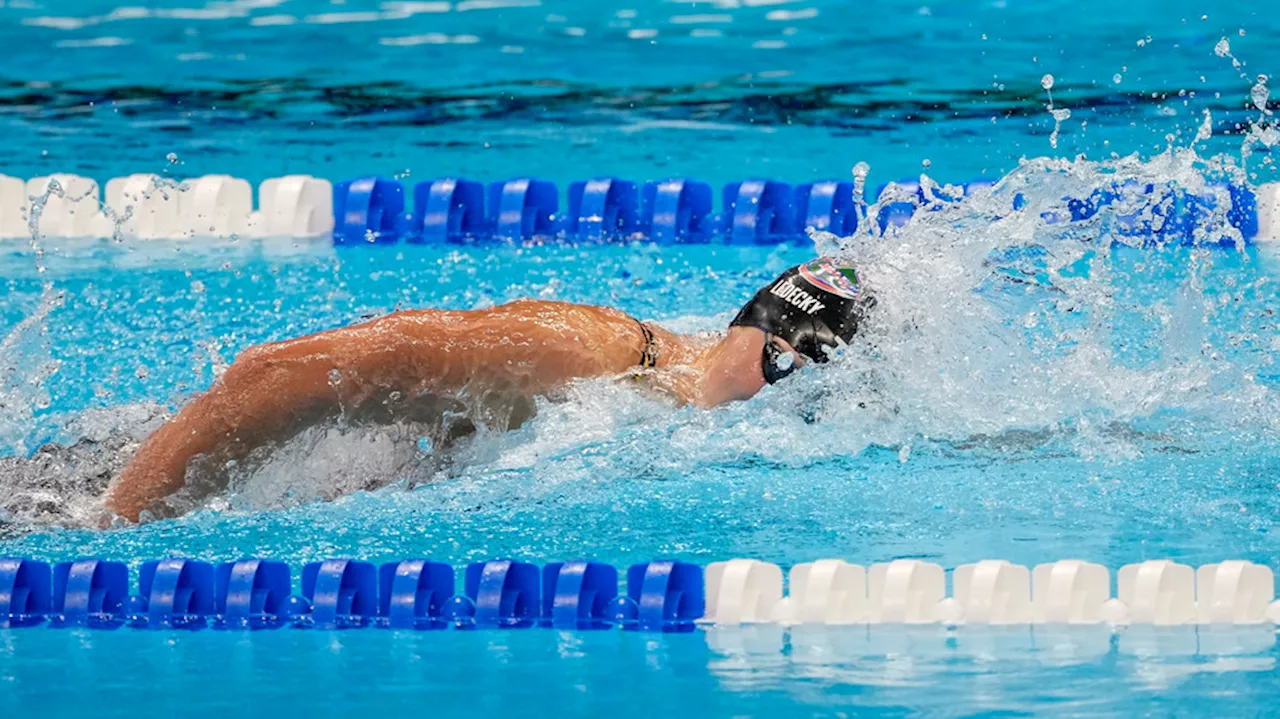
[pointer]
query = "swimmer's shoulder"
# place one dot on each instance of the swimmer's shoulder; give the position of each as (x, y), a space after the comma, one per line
(526, 307)
(521, 315)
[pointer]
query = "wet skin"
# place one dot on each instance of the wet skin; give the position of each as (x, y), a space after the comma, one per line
(477, 366)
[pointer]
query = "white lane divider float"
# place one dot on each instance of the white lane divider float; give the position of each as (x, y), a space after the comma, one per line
(295, 206)
(66, 206)
(13, 201)
(828, 591)
(1268, 196)
(741, 591)
(217, 206)
(1069, 592)
(144, 205)
(1236, 592)
(905, 591)
(147, 206)
(991, 592)
(1158, 592)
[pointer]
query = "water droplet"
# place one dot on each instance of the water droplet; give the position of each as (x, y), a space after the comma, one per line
(1116, 78)
(1223, 48)
(1047, 82)
(927, 163)
(172, 157)
(1260, 94)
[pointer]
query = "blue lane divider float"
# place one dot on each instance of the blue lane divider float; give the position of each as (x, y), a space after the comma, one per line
(523, 208)
(448, 210)
(666, 596)
(758, 212)
(578, 595)
(26, 591)
(602, 209)
(251, 594)
(827, 207)
(341, 592)
(1166, 214)
(505, 594)
(176, 592)
(413, 593)
(753, 211)
(417, 594)
(89, 593)
(676, 210)
(368, 209)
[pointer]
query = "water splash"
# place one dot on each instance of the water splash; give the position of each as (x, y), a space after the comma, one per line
(1060, 115)
(992, 320)
(1260, 134)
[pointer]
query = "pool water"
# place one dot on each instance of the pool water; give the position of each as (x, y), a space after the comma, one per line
(1026, 390)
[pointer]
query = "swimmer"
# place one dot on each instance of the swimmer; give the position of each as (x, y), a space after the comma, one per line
(460, 369)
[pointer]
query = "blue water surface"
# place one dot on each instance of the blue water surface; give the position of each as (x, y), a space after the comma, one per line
(1072, 401)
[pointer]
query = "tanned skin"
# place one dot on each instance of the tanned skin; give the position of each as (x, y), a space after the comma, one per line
(505, 356)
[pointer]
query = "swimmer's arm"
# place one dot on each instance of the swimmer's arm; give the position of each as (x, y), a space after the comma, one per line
(269, 388)
(256, 401)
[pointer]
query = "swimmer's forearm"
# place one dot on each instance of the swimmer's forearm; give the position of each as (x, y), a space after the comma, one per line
(250, 404)
(159, 467)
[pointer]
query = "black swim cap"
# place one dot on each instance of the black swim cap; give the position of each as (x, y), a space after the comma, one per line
(812, 306)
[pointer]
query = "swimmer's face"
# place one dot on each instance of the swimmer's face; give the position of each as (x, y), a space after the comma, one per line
(778, 359)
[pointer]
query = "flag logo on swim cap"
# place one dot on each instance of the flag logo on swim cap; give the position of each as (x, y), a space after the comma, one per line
(824, 274)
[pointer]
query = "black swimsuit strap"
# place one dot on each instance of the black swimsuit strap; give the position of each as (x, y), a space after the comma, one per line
(649, 355)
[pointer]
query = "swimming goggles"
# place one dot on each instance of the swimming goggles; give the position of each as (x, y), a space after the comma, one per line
(777, 363)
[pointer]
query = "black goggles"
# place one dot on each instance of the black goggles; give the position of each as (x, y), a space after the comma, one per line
(777, 363)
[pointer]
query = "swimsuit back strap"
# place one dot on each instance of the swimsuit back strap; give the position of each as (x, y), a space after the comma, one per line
(649, 355)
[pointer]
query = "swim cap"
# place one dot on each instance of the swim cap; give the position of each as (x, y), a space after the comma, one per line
(812, 306)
